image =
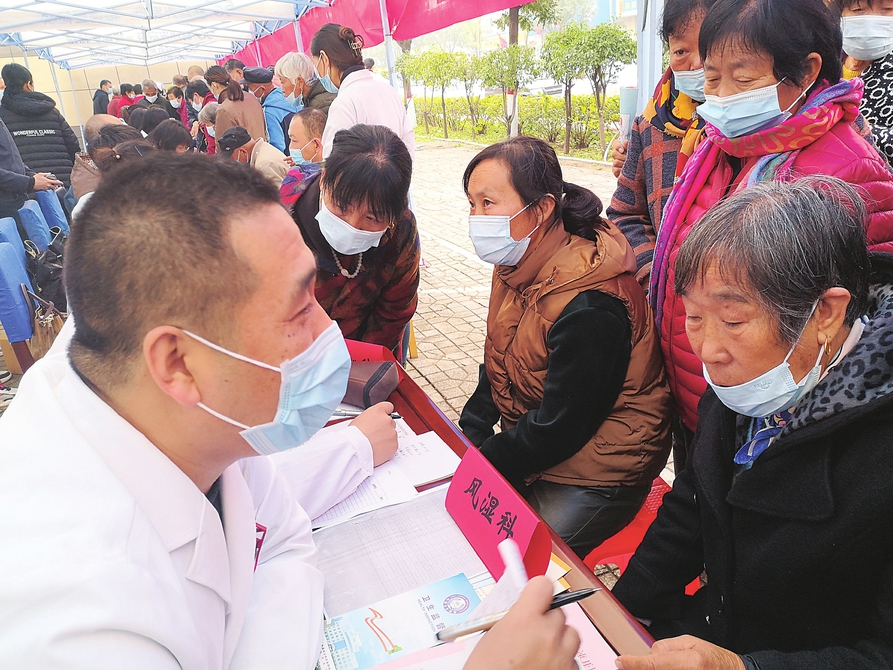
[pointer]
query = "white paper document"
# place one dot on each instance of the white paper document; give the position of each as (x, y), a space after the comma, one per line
(424, 458)
(387, 485)
(390, 551)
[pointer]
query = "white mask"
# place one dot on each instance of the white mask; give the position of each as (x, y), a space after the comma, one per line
(867, 37)
(747, 112)
(772, 391)
(175, 103)
(690, 82)
(343, 237)
(492, 238)
(152, 98)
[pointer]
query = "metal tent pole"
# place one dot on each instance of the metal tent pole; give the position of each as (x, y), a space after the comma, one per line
(388, 42)
(299, 41)
(77, 110)
(650, 50)
(56, 84)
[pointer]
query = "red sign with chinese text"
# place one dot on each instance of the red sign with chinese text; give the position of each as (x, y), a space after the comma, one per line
(488, 510)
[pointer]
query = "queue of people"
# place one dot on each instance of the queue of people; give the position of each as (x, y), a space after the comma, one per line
(732, 302)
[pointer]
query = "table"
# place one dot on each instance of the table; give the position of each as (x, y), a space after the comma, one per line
(622, 631)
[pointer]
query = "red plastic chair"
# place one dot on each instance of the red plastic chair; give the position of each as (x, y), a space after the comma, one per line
(619, 548)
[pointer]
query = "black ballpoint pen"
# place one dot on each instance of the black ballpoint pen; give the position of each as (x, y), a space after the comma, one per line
(486, 623)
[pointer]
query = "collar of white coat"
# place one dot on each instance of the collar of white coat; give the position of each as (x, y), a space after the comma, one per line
(178, 510)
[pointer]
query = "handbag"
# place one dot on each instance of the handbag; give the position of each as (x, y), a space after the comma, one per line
(371, 382)
(45, 269)
(48, 321)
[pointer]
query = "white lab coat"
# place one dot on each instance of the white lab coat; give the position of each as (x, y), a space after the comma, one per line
(321, 473)
(112, 558)
(365, 97)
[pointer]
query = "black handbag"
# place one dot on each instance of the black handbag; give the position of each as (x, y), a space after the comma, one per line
(45, 269)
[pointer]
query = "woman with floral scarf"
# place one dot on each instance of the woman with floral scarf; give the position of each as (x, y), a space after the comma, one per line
(664, 136)
(776, 108)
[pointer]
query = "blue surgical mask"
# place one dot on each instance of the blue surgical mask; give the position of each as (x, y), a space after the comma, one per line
(867, 37)
(297, 154)
(210, 131)
(313, 384)
(296, 102)
(327, 79)
(343, 237)
(747, 112)
(492, 239)
(197, 106)
(690, 82)
(772, 391)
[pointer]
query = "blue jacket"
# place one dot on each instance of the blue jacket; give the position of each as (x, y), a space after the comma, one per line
(276, 108)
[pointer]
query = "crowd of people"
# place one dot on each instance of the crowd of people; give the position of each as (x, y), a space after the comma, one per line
(731, 304)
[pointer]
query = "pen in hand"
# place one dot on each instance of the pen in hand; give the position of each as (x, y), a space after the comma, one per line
(486, 623)
(350, 413)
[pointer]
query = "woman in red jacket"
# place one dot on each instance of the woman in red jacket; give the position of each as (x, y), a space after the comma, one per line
(776, 108)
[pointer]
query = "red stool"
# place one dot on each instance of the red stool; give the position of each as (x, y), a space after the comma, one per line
(619, 548)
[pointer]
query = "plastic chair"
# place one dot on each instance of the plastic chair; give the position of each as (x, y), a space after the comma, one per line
(52, 210)
(15, 314)
(10, 233)
(619, 548)
(35, 225)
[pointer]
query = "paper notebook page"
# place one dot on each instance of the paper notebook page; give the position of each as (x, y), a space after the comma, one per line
(424, 458)
(390, 551)
(594, 653)
(387, 485)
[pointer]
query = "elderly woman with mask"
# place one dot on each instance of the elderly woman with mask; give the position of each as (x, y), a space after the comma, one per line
(300, 83)
(775, 107)
(868, 45)
(790, 478)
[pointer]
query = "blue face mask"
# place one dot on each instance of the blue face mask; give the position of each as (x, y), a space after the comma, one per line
(690, 82)
(296, 102)
(748, 112)
(327, 79)
(297, 155)
(313, 384)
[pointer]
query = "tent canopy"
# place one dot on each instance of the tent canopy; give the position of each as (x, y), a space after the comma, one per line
(85, 33)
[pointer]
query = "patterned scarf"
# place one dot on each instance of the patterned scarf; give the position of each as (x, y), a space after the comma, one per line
(777, 147)
(762, 437)
(675, 114)
(296, 182)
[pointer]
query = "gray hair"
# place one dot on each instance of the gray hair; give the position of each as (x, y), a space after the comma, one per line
(148, 83)
(294, 66)
(784, 244)
(208, 113)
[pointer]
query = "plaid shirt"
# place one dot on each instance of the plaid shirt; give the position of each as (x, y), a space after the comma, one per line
(377, 304)
(643, 187)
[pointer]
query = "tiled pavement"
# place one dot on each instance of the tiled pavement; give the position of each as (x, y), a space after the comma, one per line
(450, 322)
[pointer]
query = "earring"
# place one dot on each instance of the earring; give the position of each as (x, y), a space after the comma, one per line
(827, 347)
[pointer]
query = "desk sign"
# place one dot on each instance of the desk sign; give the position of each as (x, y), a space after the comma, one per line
(488, 510)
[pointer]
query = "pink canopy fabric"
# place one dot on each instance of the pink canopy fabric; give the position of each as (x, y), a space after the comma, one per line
(408, 19)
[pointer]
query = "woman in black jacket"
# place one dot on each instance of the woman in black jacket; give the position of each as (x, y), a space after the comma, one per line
(787, 500)
(45, 140)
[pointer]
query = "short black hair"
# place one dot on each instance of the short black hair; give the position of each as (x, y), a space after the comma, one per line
(136, 117)
(233, 64)
(15, 77)
(787, 31)
(126, 88)
(840, 5)
(104, 82)
(138, 89)
(176, 91)
(369, 165)
(154, 116)
(170, 134)
(678, 15)
(197, 86)
(110, 136)
(130, 269)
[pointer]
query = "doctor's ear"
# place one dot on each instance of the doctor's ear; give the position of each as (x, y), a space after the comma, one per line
(175, 361)
(545, 208)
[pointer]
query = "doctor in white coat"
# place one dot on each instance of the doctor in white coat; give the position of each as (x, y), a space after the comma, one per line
(137, 531)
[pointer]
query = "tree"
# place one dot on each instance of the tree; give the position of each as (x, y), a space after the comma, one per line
(608, 47)
(470, 71)
(414, 67)
(441, 69)
(563, 59)
(537, 13)
(508, 70)
(405, 47)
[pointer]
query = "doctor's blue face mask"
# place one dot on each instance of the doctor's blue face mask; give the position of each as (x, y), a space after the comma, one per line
(313, 383)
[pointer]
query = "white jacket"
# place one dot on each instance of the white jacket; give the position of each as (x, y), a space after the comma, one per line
(365, 97)
(112, 558)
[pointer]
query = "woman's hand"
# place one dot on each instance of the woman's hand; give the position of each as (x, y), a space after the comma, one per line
(856, 65)
(618, 155)
(379, 428)
(683, 653)
(530, 637)
(195, 129)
